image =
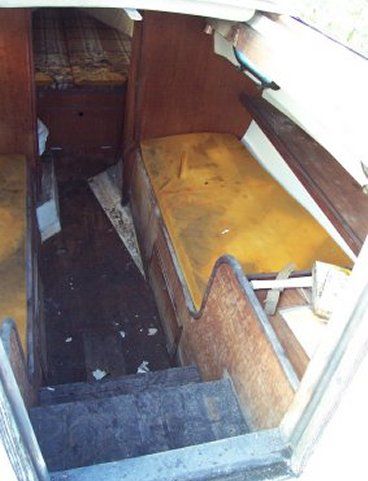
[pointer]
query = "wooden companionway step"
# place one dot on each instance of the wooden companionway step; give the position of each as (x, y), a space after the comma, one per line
(80, 391)
(93, 431)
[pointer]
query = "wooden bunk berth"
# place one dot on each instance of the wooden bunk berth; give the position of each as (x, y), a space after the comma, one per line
(195, 198)
(81, 71)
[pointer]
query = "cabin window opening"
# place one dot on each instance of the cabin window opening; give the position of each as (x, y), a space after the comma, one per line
(344, 20)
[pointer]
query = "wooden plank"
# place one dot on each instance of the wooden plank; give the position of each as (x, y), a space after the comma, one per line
(10, 338)
(164, 304)
(132, 384)
(330, 377)
(339, 196)
(185, 86)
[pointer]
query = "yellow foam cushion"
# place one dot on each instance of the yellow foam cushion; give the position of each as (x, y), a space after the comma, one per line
(216, 199)
(13, 296)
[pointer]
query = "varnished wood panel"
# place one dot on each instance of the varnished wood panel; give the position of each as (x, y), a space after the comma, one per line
(84, 119)
(164, 303)
(17, 117)
(177, 84)
(229, 338)
(183, 85)
(339, 196)
(142, 206)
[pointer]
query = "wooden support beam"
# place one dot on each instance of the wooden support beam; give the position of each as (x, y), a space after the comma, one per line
(339, 196)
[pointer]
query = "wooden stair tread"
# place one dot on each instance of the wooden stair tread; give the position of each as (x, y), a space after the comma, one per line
(89, 432)
(80, 391)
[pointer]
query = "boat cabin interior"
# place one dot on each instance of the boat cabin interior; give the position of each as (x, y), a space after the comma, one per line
(163, 228)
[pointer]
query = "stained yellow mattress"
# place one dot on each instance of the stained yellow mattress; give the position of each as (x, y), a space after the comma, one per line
(216, 199)
(13, 296)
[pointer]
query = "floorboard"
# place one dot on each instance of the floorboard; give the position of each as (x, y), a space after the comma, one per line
(92, 290)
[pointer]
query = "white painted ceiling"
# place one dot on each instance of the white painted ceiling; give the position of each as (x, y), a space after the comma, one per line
(236, 10)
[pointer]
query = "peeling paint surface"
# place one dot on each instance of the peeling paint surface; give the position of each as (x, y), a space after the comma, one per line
(109, 198)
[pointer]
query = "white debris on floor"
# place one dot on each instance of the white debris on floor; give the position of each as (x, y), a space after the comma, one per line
(49, 388)
(68, 339)
(143, 368)
(99, 374)
(152, 331)
(109, 198)
(122, 333)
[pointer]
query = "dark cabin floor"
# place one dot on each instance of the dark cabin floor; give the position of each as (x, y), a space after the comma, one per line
(93, 290)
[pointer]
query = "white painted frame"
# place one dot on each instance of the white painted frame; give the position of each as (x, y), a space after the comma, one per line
(330, 372)
(18, 447)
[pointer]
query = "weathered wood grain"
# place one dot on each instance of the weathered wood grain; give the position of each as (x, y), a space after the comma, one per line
(93, 431)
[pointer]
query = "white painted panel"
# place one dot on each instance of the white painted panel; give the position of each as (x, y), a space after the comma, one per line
(266, 154)
(342, 135)
(6, 466)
